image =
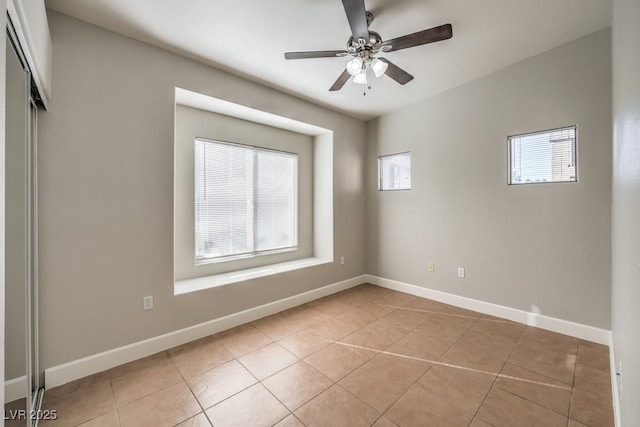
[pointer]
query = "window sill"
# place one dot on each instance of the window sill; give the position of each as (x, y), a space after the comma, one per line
(200, 283)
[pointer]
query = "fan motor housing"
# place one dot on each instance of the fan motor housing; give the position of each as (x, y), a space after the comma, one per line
(362, 47)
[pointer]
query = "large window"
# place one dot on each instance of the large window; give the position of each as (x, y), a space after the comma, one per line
(245, 201)
(548, 156)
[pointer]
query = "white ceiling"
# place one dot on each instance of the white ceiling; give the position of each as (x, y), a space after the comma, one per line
(249, 38)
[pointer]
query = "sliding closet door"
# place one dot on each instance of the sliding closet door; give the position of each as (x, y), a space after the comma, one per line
(35, 371)
(16, 217)
(19, 250)
(28, 72)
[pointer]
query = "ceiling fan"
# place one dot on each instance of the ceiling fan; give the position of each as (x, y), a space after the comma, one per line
(364, 45)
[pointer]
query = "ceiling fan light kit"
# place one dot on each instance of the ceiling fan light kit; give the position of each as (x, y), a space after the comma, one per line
(355, 66)
(361, 78)
(364, 45)
(379, 67)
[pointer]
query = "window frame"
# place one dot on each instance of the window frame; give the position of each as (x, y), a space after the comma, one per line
(380, 170)
(254, 253)
(575, 155)
(196, 115)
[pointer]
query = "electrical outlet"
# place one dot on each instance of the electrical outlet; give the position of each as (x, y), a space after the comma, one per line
(620, 381)
(432, 267)
(341, 260)
(461, 272)
(147, 303)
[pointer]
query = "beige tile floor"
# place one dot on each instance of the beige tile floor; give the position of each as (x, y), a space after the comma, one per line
(366, 356)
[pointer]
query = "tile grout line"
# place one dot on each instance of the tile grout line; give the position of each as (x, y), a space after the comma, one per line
(475, 415)
(300, 359)
(449, 314)
(334, 383)
(148, 394)
(115, 403)
(449, 365)
(366, 361)
(566, 387)
(370, 299)
(115, 406)
(258, 381)
(190, 389)
(433, 313)
(411, 357)
(573, 384)
(291, 412)
(362, 401)
(262, 385)
(395, 354)
(237, 359)
(382, 414)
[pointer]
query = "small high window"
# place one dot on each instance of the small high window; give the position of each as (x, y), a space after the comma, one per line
(394, 172)
(540, 157)
(245, 201)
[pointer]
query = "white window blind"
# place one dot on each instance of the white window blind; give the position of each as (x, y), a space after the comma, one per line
(245, 201)
(394, 172)
(548, 156)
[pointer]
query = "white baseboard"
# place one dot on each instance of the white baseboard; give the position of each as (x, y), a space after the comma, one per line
(15, 389)
(80, 368)
(585, 332)
(614, 383)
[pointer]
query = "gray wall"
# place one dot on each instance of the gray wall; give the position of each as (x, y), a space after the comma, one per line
(626, 204)
(542, 248)
(106, 194)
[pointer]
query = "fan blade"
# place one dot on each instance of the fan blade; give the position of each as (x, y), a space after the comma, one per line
(435, 34)
(357, 16)
(341, 81)
(396, 73)
(315, 54)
